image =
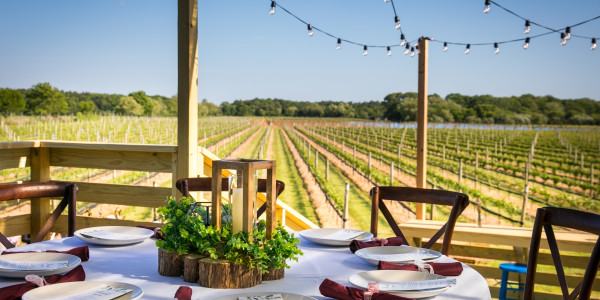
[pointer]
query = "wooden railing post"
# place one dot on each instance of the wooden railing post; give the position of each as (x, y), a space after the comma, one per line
(40, 172)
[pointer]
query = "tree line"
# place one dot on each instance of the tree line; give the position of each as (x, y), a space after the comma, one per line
(43, 99)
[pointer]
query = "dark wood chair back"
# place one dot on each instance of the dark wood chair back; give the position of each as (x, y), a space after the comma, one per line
(457, 201)
(545, 219)
(204, 184)
(29, 190)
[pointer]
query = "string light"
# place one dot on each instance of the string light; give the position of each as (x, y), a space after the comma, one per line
(386, 1)
(486, 9)
(397, 20)
(593, 47)
(445, 47)
(568, 33)
(564, 38)
(365, 52)
(496, 49)
(417, 48)
(407, 49)
(468, 49)
(389, 53)
(272, 7)
(526, 45)
(527, 27)
(310, 32)
(402, 39)
(412, 51)
(339, 44)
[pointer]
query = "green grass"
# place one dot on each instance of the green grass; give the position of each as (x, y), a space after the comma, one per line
(295, 194)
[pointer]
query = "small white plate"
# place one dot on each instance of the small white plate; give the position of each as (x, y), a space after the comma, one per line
(66, 289)
(127, 235)
(72, 262)
(396, 254)
(362, 280)
(327, 236)
(286, 296)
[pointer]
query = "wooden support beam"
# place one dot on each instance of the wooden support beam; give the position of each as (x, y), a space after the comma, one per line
(422, 124)
(40, 172)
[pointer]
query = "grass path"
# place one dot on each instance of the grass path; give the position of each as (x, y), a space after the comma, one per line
(295, 194)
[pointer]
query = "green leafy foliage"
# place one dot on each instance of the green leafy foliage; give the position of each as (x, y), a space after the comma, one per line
(179, 227)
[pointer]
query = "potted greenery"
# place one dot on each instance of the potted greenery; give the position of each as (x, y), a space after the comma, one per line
(217, 258)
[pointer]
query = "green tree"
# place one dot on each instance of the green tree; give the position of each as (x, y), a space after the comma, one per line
(128, 106)
(87, 107)
(43, 99)
(142, 99)
(11, 101)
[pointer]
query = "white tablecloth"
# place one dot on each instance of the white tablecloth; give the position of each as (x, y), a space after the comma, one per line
(137, 264)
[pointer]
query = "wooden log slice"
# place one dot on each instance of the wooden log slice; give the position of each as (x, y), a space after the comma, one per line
(220, 274)
(190, 267)
(169, 263)
(273, 274)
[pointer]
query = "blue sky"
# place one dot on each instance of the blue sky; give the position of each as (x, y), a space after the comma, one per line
(123, 46)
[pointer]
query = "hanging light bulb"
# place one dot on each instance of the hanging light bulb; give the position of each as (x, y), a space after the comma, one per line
(273, 7)
(496, 49)
(417, 48)
(386, 1)
(564, 38)
(397, 20)
(365, 52)
(406, 49)
(593, 47)
(389, 51)
(526, 45)
(412, 51)
(445, 47)
(567, 33)
(527, 27)
(310, 32)
(468, 49)
(486, 9)
(339, 44)
(402, 39)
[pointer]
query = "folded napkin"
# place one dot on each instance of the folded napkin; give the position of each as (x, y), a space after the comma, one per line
(335, 290)
(183, 293)
(14, 292)
(444, 269)
(82, 252)
(159, 235)
(374, 242)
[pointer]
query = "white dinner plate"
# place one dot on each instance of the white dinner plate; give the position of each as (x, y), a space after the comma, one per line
(334, 236)
(286, 296)
(362, 280)
(68, 289)
(72, 262)
(121, 235)
(396, 254)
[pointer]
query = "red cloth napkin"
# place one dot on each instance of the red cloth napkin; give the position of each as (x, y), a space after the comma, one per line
(82, 252)
(393, 241)
(444, 269)
(14, 292)
(335, 290)
(159, 235)
(183, 293)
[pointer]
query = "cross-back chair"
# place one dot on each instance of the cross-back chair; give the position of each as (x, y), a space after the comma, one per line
(545, 219)
(204, 184)
(29, 190)
(457, 201)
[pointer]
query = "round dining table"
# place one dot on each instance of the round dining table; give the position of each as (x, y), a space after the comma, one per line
(137, 264)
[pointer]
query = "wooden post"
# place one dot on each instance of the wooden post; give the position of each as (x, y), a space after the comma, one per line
(327, 168)
(460, 171)
(316, 159)
(187, 90)
(391, 173)
(526, 189)
(40, 172)
(422, 124)
(476, 166)
(354, 159)
(591, 180)
(346, 197)
(369, 170)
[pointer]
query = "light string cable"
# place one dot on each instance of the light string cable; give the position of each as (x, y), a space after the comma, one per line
(338, 38)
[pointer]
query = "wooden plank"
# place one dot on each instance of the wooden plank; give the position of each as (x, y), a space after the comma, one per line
(109, 147)
(109, 159)
(19, 145)
(144, 196)
(40, 172)
(421, 177)
(86, 222)
(14, 158)
(16, 225)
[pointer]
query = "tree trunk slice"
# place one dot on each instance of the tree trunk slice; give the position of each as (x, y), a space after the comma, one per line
(220, 274)
(190, 267)
(169, 263)
(273, 274)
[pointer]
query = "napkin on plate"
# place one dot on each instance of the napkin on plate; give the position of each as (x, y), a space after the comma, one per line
(335, 290)
(374, 242)
(183, 293)
(159, 235)
(82, 252)
(444, 269)
(14, 292)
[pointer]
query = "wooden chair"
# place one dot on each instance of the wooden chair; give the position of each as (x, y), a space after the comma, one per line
(204, 184)
(14, 191)
(547, 217)
(457, 201)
